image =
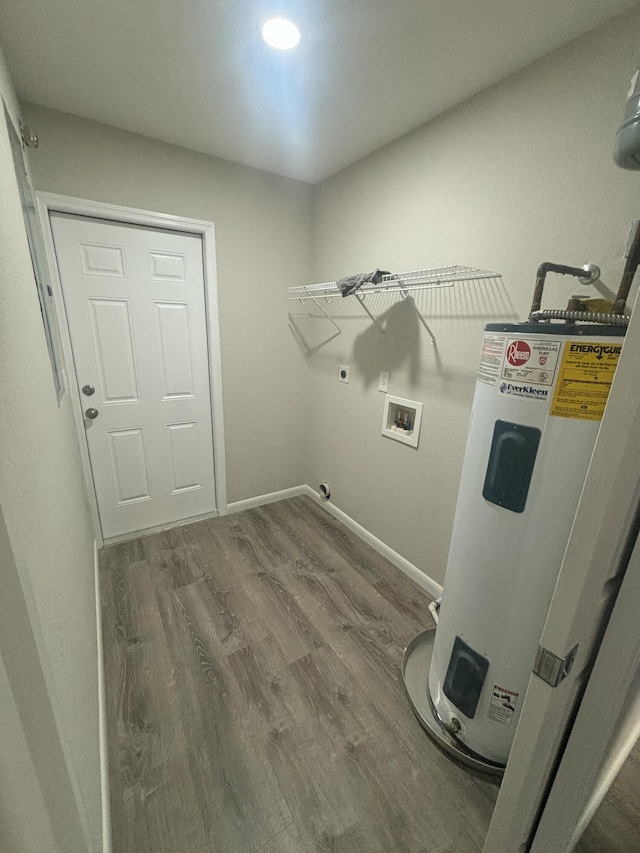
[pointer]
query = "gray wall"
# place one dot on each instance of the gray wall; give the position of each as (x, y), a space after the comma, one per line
(38, 807)
(263, 240)
(47, 606)
(24, 821)
(520, 174)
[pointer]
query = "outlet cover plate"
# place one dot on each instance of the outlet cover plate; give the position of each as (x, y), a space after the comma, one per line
(343, 373)
(383, 382)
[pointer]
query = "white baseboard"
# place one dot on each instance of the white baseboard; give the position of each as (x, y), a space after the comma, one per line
(147, 531)
(270, 498)
(102, 715)
(416, 574)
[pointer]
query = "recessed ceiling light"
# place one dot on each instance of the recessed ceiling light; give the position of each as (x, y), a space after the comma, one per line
(280, 33)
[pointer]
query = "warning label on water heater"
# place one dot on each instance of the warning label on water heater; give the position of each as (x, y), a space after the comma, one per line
(491, 358)
(531, 361)
(584, 380)
(502, 707)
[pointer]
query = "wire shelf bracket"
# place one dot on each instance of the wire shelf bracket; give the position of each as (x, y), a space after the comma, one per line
(407, 296)
(326, 314)
(360, 298)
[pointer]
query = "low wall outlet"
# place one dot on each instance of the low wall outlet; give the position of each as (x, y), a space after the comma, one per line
(343, 373)
(383, 382)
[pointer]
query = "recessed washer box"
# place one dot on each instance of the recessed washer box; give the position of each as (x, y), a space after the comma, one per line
(401, 419)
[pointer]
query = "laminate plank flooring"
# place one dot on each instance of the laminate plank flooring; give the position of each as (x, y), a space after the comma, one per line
(255, 701)
(615, 827)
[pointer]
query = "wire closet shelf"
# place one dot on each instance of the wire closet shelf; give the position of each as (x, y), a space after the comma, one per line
(425, 279)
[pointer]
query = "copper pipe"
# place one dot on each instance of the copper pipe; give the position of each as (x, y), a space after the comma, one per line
(543, 269)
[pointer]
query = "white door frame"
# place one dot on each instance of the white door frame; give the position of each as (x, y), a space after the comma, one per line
(606, 727)
(51, 202)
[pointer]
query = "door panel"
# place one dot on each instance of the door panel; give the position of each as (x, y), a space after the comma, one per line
(183, 443)
(129, 465)
(99, 259)
(174, 339)
(110, 321)
(135, 304)
(167, 267)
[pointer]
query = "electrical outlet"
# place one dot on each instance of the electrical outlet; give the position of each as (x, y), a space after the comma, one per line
(383, 382)
(343, 373)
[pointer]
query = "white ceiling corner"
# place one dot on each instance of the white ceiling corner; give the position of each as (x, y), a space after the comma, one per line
(197, 73)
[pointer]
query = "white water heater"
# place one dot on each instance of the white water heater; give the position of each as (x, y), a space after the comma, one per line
(540, 395)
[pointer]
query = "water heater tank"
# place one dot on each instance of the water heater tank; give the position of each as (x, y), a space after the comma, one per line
(540, 395)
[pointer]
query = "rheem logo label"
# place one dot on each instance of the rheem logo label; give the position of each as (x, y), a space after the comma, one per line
(518, 353)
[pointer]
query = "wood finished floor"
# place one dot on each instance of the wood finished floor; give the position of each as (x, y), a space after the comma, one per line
(615, 827)
(255, 700)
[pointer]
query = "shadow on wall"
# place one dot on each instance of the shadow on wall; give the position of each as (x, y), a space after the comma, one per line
(399, 345)
(395, 338)
(431, 310)
(311, 332)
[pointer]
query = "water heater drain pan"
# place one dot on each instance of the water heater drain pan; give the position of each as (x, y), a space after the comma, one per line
(415, 667)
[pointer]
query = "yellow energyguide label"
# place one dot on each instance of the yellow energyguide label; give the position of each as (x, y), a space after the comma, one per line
(584, 380)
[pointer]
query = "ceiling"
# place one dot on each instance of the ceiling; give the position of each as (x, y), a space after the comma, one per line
(196, 72)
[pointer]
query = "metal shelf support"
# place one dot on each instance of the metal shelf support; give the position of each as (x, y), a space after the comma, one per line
(406, 295)
(325, 312)
(361, 301)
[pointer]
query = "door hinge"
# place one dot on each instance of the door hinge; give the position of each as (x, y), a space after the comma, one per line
(551, 668)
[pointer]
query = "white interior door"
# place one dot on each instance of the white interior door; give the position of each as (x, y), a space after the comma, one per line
(135, 304)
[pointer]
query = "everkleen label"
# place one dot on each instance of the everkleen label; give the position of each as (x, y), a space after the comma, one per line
(529, 392)
(584, 380)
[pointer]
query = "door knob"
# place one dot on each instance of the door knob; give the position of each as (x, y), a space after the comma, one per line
(88, 390)
(92, 414)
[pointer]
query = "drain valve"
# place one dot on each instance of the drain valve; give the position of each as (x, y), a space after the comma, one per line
(454, 726)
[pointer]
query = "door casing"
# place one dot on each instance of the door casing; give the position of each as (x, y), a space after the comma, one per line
(52, 202)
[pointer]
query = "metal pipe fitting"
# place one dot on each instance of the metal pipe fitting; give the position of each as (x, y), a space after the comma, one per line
(587, 275)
